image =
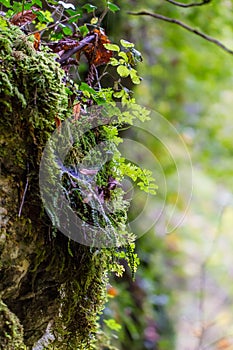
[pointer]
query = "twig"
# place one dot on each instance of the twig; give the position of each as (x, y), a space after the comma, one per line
(185, 26)
(53, 25)
(71, 52)
(102, 16)
(192, 4)
(23, 198)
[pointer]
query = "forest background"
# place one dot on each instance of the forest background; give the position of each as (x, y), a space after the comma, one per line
(182, 294)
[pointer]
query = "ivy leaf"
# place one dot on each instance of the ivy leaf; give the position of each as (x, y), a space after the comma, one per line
(66, 5)
(112, 47)
(89, 8)
(123, 71)
(112, 7)
(126, 43)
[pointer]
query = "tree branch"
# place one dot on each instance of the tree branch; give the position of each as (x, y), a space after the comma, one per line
(192, 4)
(185, 26)
(71, 52)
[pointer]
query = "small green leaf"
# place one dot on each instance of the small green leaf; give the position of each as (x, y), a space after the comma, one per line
(119, 94)
(83, 30)
(3, 22)
(134, 77)
(89, 8)
(67, 31)
(126, 43)
(112, 7)
(112, 47)
(86, 87)
(123, 71)
(124, 56)
(114, 61)
(113, 325)
(44, 16)
(66, 5)
(17, 7)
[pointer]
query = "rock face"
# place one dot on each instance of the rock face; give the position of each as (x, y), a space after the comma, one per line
(44, 278)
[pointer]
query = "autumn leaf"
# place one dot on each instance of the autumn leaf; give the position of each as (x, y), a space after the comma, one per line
(96, 53)
(76, 111)
(23, 18)
(36, 41)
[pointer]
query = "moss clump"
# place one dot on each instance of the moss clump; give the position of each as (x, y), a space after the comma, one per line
(44, 278)
(31, 94)
(11, 331)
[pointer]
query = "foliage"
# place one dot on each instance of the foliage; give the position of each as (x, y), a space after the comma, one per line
(36, 95)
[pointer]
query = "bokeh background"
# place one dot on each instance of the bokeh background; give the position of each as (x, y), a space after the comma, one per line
(182, 297)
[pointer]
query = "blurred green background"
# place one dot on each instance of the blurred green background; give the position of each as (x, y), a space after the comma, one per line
(182, 297)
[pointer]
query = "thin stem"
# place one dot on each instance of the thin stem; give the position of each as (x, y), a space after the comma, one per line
(24, 195)
(192, 4)
(185, 26)
(23, 3)
(53, 25)
(102, 16)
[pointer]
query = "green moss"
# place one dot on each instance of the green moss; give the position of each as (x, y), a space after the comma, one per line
(11, 331)
(60, 280)
(31, 94)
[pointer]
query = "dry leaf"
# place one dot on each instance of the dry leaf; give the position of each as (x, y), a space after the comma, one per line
(23, 18)
(95, 52)
(76, 111)
(36, 41)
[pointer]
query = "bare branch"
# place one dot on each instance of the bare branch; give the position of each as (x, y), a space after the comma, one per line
(71, 52)
(185, 26)
(192, 4)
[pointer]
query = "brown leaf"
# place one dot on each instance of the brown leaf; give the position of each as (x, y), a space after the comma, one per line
(58, 123)
(76, 111)
(36, 41)
(96, 53)
(23, 18)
